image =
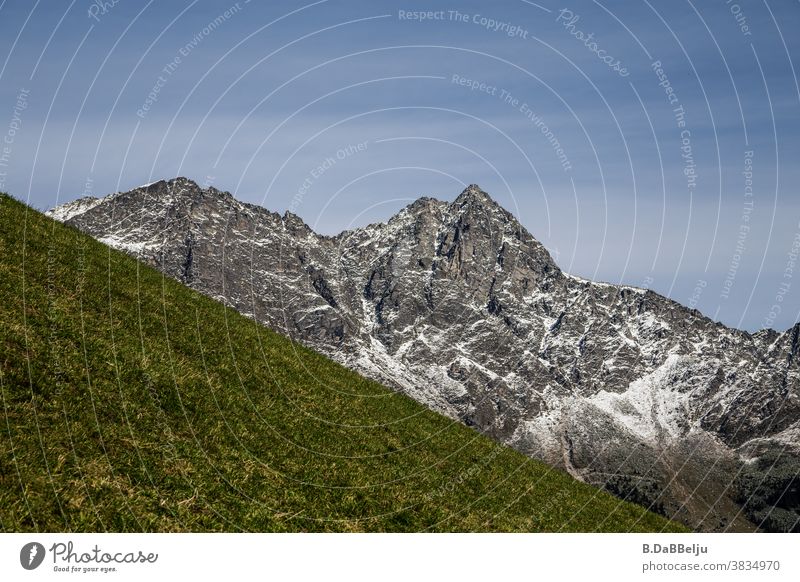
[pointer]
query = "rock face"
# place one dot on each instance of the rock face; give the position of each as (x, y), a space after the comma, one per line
(458, 306)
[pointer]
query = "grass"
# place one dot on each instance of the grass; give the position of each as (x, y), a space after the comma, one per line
(131, 403)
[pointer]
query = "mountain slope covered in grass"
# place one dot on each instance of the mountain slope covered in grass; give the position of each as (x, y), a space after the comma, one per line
(132, 403)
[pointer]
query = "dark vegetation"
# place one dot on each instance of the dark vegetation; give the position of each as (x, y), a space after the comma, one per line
(769, 491)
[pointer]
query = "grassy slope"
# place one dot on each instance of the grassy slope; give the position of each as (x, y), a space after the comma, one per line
(130, 403)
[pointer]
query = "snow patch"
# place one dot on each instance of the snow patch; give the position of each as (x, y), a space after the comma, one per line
(64, 212)
(649, 408)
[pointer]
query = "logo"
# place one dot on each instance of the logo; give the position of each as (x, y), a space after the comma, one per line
(31, 555)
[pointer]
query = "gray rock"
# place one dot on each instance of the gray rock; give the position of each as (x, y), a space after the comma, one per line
(458, 306)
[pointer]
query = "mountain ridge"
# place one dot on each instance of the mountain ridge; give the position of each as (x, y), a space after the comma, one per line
(132, 403)
(86, 202)
(459, 306)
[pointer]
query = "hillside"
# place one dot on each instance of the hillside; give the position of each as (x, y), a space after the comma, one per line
(132, 403)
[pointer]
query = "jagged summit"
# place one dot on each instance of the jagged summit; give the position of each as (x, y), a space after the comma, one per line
(177, 184)
(177, 181)
(295, 223)
(182, 187)
(477, 205)
(66, 211)
(458, 306)
(473, 194)
(425, 203)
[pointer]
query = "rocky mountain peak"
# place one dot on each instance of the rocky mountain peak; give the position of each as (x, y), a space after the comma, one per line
(295, 224)
(474, 197)
(425, 204)
(179, 182)
(173, 185)
(474, 209)
(458, 306)
(182, 188)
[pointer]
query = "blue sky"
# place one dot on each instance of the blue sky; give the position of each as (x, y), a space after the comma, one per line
(256, 99)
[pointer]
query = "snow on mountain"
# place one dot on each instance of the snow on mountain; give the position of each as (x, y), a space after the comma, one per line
(458, 306)
(77, 207)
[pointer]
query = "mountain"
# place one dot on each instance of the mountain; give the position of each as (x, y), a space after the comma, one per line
(458, 306)
(132, 403)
